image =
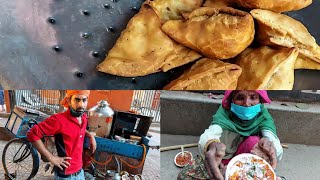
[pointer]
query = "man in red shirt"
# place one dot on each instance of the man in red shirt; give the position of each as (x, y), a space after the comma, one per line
(69, 130)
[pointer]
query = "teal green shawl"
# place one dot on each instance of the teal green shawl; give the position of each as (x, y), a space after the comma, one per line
(228, 121)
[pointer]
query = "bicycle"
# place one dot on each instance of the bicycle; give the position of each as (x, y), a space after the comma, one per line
(20, 159)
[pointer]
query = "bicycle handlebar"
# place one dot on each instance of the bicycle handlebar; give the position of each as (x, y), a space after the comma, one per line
(32, 122)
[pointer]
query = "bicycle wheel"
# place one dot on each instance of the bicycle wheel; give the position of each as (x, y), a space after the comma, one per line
(20, 160)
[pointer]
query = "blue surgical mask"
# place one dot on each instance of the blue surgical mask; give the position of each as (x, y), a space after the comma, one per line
(246, 113)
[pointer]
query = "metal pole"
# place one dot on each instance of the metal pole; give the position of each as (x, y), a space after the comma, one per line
(62, 95)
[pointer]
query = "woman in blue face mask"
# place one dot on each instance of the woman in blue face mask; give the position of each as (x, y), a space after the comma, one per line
(241, 125)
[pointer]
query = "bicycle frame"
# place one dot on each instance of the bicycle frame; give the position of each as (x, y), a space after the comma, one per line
(25, 153)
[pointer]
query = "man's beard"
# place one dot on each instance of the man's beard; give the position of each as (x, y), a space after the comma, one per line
(77, 113)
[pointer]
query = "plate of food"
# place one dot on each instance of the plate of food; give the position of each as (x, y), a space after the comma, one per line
(248, 166)
(183, 158)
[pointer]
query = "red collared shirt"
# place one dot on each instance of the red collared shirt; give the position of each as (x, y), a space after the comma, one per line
(69, 137)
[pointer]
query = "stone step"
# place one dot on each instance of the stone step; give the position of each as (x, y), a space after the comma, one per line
(188, 113)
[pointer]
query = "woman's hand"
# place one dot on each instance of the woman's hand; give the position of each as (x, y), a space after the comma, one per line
(213, 158)
(265, 149)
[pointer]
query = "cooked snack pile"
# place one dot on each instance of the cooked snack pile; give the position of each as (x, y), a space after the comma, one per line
(170, 33)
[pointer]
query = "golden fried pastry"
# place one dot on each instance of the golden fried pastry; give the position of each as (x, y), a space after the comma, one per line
(282, 30)
(207, 74)
(173, 9)
(217, 3)
(143, 49)
(305, 63)
(273, 5)
(219, 33)
(267, 68)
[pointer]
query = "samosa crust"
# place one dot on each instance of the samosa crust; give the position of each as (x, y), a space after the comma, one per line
(143, 49)
(207, 74)
(219, 33)
(267, 68)
(281, 30)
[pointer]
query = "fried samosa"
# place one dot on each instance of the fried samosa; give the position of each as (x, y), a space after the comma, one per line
(173, 9)
(273, 5)
(217, 3)
(207, 74)
(219, 33)
(143, 49)
(282, 30)
(267, 68)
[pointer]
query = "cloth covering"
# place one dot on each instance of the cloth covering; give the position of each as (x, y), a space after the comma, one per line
(226, 103)
(228, 121)
(70, 93)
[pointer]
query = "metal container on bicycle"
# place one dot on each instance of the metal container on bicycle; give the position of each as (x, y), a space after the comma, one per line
(19, 119)
(100, 119)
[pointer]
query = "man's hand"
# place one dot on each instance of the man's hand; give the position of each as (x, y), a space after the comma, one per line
(93, 144)
(213, 158)
(60, 162)
(265, 149)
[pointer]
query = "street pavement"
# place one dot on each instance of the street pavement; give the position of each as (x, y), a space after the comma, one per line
(151, 170)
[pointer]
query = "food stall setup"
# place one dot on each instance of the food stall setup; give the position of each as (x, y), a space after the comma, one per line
(76, 43)
(122, 143)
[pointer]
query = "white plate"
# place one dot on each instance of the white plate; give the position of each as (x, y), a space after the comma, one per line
(178, 155)
(241, 158)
